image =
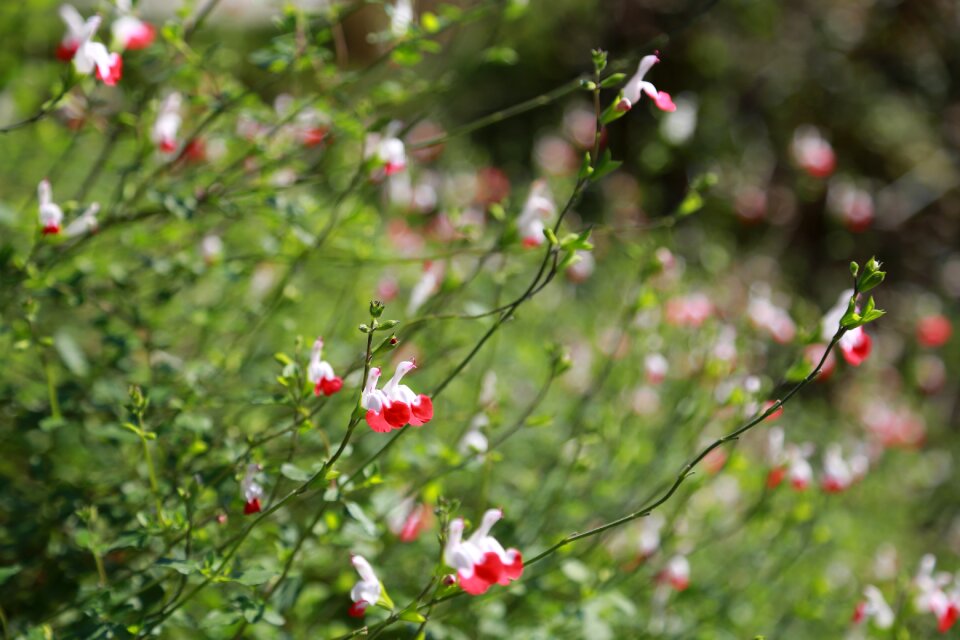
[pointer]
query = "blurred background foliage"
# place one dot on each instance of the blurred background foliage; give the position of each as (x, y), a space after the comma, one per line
(307, 237)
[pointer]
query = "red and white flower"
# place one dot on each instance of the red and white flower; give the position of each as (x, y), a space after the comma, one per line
(387, 149)
(932, 595)
(167, 124)
(934, 330)
(480, 560)
(837, 475)
(129, 31)
(93, 57)
(367, 591)
(409, 519)
(855, 345)
(76, 28)
(251, 489)
(655, 367)
(428, 285)
(775, 320)
(51, 215)
(875, 608)
(637, 86)
(396, 405)
(853, 205)
(320, 373)
(812, 152)
(676, 573)
(538, 207)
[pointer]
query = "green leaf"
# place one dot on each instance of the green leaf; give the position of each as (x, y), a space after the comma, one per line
(411, 615)
(606, 165)
(255, 577)
(294, 472)
(356, 512)
(7, 572)
(613, 80)
(183, 567)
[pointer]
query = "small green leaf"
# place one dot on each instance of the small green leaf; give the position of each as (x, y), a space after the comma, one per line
(293, 472)
(613, 80)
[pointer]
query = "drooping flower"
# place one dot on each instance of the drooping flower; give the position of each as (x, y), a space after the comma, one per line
(538, 207)
(812, 152)
(855, 344)
(676, 573)
(852, 204)
(474, 442)
(637, 86)
(251, 489)
(799, 470)
(320, 373)
(93, 57)
(649, 534)
(837, 475)
(76, 28)
(167, 124)
(932, 595)
(875, 608)
(367, 590)
(396, 405)
(85, 223)
(428, 285)
(480, 560)
(775, 320)
(129, 31)
(933, 330)
(51, 215)
(409, 519)
(387, 149)
(655, 367)
(946, 607)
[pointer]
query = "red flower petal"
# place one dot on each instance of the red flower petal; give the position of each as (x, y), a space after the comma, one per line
(397, 414)
(423, 412)
(377, 423)
(252, 506)
(357, 609)
(474, 585)
(775, 477)
(66, 50)
(328, 386)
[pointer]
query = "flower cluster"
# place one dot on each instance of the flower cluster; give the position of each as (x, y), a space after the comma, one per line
(480, 560)
(396, 405)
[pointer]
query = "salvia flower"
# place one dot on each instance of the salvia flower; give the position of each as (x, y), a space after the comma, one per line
(320, 373)
(367, 591)
(837, 475)
(76, 28)
(396, 405)
(401, 18)
(480, 560)
(934, 330)
(932, 595)
(428, 285)
(51, 215)
(85, 223)
(167, 125)
(387, 149)
(855, 345)
(637, 86)
(812, 152)
(655, 367)
(873, 607)
(676, 573)
(409, 519)
(251, 489)
(129, 31)
(538, 207)
(474, 442)
(93, 57)
(799, 470)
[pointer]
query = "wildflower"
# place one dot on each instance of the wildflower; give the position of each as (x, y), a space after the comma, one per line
(691, 310)
(837, 475)
(51, 215)
(396, 405)
(481, 560)
(582, 267)
(676, 573)
(764, 314)
(320, 373)
(874, 606)
(387, 149)
(211, 248)
(538, 207)
(167, 124)
(129, 31)
(367, 591)
(93, 57)
(933, 331)
(855, 345)
(474, 442)
(655, 366)
(812, 152)
(636, 86)
(932, 596)
(428, 285)
(76, 27)
(408, 520)
(852, 204)
(85, 223)
(813, 353)
(798, 468)
(251, 489)
(649, 538)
